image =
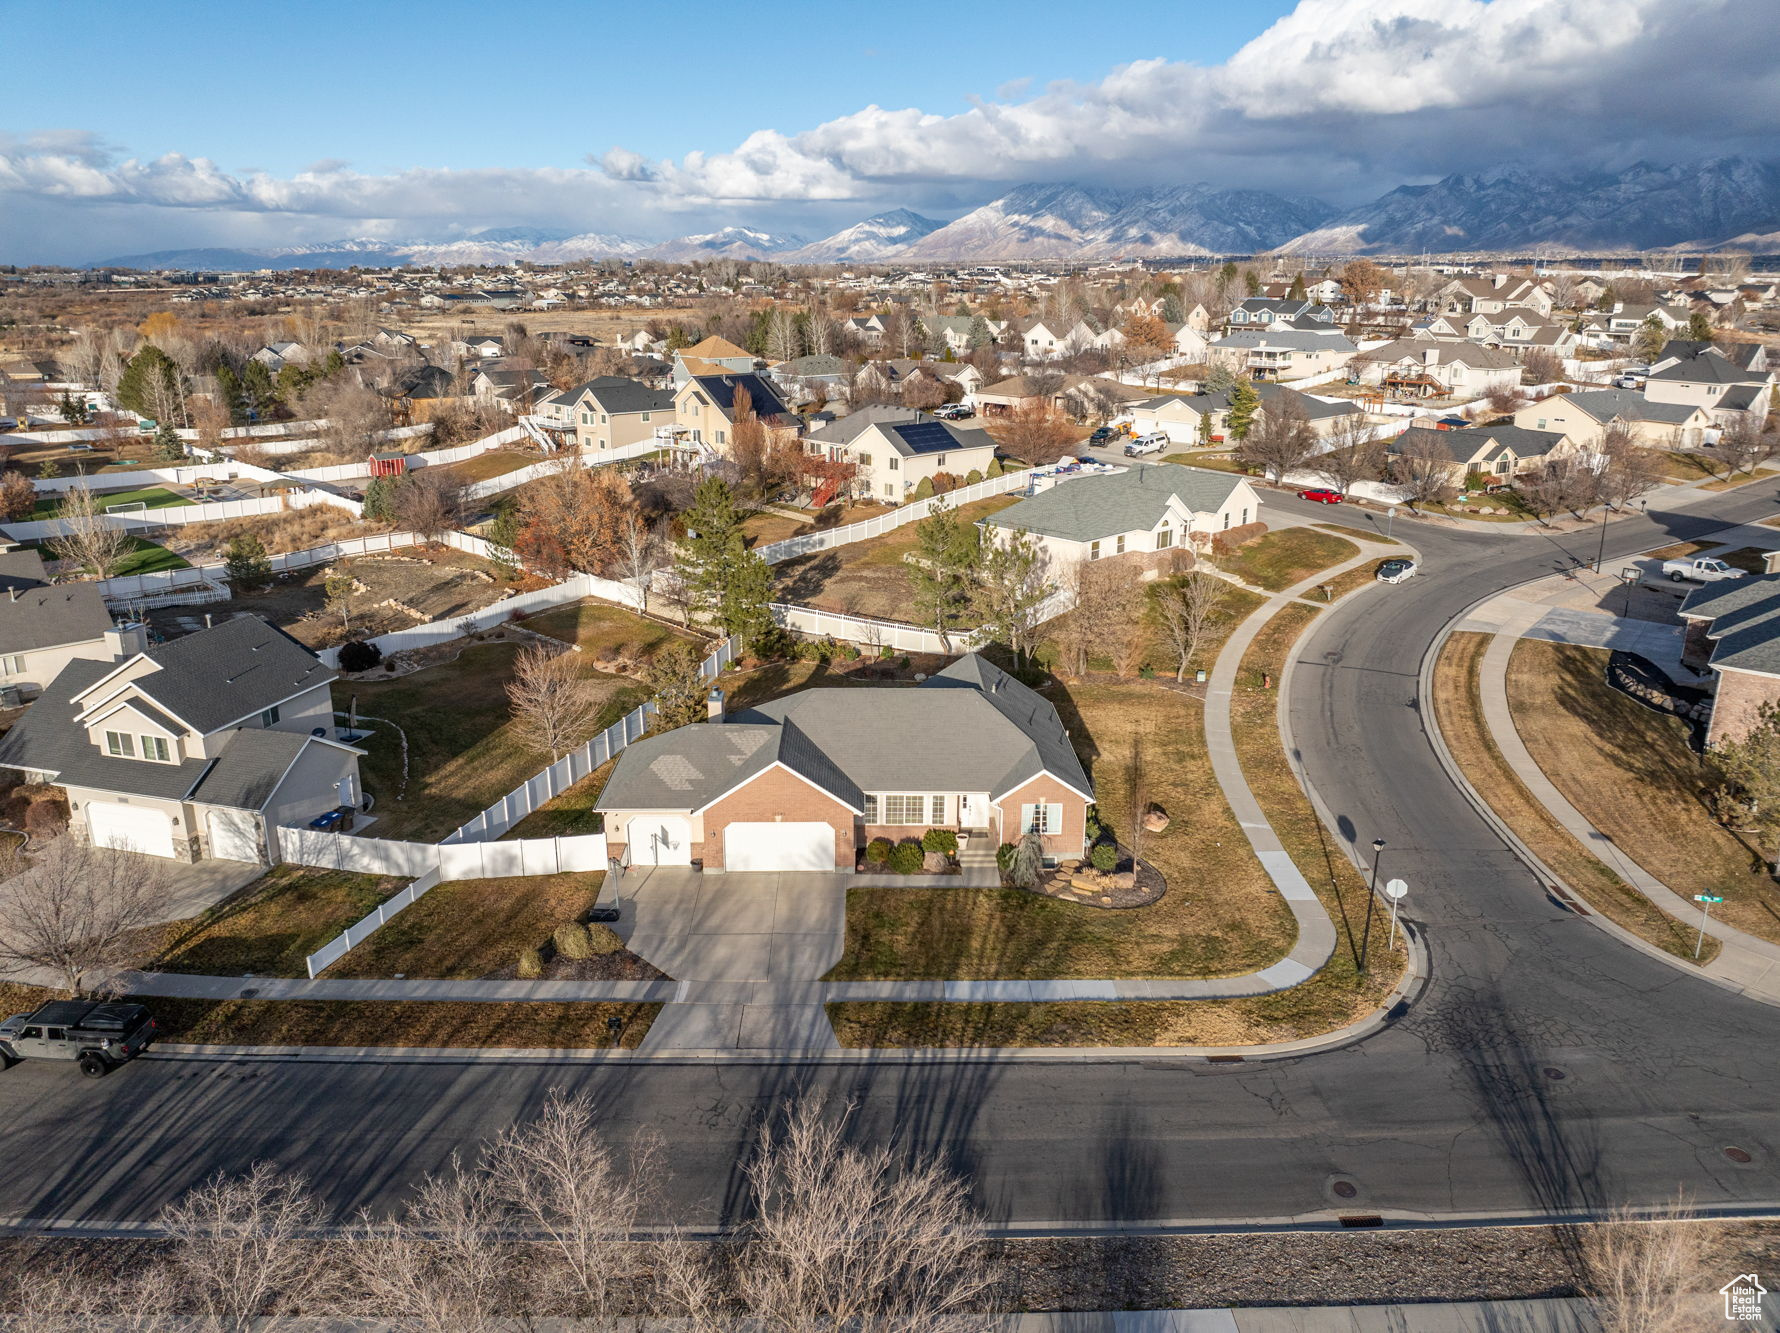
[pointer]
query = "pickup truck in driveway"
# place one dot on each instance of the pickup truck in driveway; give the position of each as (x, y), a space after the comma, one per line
(1700, 569)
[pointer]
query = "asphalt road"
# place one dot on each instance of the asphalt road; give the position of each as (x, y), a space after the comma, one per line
(1455, 1110)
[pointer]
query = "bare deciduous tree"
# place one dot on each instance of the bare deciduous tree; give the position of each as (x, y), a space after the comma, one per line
(1741, 447)
(428, 503)
(1423, 470)
(243, 1255)
(1185, 609)
(1626, 468)
(1353, 454)
(554, 704)
(1035, 433)
(1641, 1272)
(90, 540)
(75, 910)
(849, 1237)
(1280, 441)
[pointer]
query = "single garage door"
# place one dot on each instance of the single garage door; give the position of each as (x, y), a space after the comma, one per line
(778, 847)
(134, 828)
(235, 835)
(659, 840)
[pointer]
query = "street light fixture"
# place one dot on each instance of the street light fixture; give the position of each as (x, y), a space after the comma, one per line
(1371, 898)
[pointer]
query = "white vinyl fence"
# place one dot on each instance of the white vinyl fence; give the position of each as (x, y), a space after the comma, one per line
(173, 516)
(577, 764)
(180, 474)
(913, 512)
(431, 864)
(875, 635)
(507, 481)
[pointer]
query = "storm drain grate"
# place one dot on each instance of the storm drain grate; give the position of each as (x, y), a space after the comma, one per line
(1361, 1220)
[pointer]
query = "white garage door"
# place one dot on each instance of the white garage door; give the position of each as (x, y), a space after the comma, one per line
(659, 840)
(235, 835)
(778, 847)
(134, 828)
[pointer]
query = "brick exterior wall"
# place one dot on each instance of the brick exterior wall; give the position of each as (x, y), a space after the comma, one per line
(1738, 704)
(777, 794)
(1064, 844)
(1696, 646)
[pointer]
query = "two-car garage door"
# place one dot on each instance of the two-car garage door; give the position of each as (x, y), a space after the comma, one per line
(136, 828)
(778, 846)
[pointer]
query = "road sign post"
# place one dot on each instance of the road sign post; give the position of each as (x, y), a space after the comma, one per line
(1705, 900)
(1396, 888)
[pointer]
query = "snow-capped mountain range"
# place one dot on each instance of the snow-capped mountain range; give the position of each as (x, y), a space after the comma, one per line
(1733, 201)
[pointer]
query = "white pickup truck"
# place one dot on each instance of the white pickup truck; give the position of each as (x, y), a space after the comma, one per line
(1700, 569)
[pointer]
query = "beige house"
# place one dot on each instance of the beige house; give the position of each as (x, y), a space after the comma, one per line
(705, 407)
(611, 412)
(202, 747)
(1422, 368)
(896, 448)
(1585, 417)
(1145, 510)
(44, 627)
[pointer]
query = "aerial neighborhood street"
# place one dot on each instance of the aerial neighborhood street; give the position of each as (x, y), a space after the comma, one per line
(1128, 755)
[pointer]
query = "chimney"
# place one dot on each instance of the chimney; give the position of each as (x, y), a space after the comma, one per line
(1430, 355)
(714, 705)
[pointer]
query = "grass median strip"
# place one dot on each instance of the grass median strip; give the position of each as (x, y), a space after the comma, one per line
(1458, 708)
(519, 1023)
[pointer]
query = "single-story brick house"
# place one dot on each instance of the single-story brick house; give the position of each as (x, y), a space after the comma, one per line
(804, 782)
(1148, 510)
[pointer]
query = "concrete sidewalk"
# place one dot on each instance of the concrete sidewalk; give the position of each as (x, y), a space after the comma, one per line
(1745, 963)
(1535, 1316)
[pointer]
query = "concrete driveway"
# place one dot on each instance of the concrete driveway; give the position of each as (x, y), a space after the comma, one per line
(748, 950)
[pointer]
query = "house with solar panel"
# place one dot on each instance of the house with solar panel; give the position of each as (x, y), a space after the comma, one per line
(896, 448)
(705, 407)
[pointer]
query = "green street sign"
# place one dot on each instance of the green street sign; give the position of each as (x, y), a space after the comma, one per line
(1706, 898)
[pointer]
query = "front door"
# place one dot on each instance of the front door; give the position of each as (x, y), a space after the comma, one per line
(969, 815)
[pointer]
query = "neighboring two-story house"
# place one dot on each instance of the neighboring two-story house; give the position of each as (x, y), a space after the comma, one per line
(711, 356)
(197, 748)
(1420, 368)
(1144, 512)
(611, 412)
(805, 782)
(1260, 312)
(1714, 381)
(705, 406)
(896, 448)
(45, 626)
(1585, 417)
(1278, 353)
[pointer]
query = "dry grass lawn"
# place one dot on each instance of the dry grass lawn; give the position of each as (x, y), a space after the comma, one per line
(1731, 483)
(570, 813)
(493, 463)
(610, 634)
(523, 1024)
(1286, 556)
(1350, 532)
(291, 530)
(868, 578)
(463, 751)
(269, 927)
(1220, 916)
(1630, 773)
(472, 928)
(1459, 711)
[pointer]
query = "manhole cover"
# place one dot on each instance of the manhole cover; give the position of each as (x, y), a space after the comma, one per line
(1345, 1188)
(1556, 1075)
(1738, 1155)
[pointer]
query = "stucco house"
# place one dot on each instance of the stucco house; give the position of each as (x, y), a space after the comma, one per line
(611, 412)
(1733, 628)
(706, 406)
(1714, 381)
(1585, 417)
(896, 448)
(1147, 510)
(1424, 368)
(1278, 353)
(201, 747)
(1500, 450)
(45, 626)
(711, 355)
(805, 782)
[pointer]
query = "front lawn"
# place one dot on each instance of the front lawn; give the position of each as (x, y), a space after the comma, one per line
(1220, 917)
(1286, 556)
(557, 1025)
(269, 927)
(1630, 773)
(474, 928)
(1741, 479)
(867, 578)
(463, 751)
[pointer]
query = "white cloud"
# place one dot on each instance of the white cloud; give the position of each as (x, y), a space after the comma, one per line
(1340, 97)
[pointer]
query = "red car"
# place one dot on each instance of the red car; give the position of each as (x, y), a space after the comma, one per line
(1321, 496)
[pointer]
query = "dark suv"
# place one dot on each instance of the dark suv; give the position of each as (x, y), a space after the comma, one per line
(99, 1036)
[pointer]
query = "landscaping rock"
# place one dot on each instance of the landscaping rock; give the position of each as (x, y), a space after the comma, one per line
(1126, 880)
(1086, 884)
(1075, 864)
(935, 863)
(1155, 819)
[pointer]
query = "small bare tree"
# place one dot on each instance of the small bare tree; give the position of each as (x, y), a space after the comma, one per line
(1280, 441)
(849, 1237)
(1353, 454)
(1185, 609)
(244, 1254)
(554, 704)
(74, 910)
(339, 585)
(1626, 469)
(428, 503)
(1423, 470)
(1640, 1272)
(1741, 447)
(90, 540)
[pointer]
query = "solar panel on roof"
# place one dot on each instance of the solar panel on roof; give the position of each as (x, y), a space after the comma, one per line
(926, 437)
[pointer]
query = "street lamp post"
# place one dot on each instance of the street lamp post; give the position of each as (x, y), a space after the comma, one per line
(1371, 898)
(1601, 551)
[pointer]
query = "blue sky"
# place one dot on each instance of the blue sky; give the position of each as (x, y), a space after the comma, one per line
(134, 128)
(386, 86)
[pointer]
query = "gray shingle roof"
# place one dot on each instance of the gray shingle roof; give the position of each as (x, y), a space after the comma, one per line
(1095, 507)
(617, 396)
(230, 671)
(1482, 443)
(248, 770)
(998, 735)
(846, 429)
(1706, 368)
(34, 614)
(1745, 617)
(1605, 404)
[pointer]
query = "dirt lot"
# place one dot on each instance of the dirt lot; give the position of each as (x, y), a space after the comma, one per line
(295, 530)
(868, 578)
(395, 592)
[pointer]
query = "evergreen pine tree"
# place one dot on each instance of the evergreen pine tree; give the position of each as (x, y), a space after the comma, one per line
(168, 447)
(246, 563)
(144, 375)
(1244, 403)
